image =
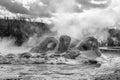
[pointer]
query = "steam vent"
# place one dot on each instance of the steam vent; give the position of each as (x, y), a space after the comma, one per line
(59, 40)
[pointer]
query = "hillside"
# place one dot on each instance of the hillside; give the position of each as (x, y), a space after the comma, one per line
(21, 30)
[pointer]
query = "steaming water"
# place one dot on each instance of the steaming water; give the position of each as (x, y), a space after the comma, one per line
(61, 72)
(7, 46)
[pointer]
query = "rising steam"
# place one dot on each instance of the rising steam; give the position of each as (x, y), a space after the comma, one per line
(76, 18)
(89, 22)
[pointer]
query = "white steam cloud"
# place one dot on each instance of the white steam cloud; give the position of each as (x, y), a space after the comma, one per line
(92, 22)
(7, 46)
(76, 18)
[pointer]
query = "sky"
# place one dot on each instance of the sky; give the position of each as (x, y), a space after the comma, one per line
(75, 18)
(46, 8)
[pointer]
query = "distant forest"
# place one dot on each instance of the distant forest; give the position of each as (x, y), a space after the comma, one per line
(113, 40)
(21, 30)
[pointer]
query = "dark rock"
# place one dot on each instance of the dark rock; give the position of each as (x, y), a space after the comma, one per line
(9, 59)
(10, 56)
(25, 55)
(55, 55)
(72, 54)
(89, 43)
(92, 61)
(64, 43)
(49, 43)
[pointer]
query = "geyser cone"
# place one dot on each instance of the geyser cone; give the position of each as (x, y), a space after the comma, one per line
(90, 48)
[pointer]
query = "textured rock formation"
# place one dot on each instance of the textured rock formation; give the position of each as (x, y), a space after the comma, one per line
(90, 48)
(25, 55)
(72, 54)
(49, 43)
(89, 43)
(64, 43)
(9, 59)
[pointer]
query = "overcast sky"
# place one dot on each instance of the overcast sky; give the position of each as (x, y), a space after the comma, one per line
(70, 17)
(45, 8)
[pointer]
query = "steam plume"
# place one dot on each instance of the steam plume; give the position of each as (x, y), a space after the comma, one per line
(92, 21)
(76, 18)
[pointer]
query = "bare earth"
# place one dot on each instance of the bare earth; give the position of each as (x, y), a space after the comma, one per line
(59, 72)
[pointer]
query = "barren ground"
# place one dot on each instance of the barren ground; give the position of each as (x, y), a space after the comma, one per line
(59, 72)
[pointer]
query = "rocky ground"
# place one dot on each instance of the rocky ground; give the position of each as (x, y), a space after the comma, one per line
(107, 70)
(51, 60)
